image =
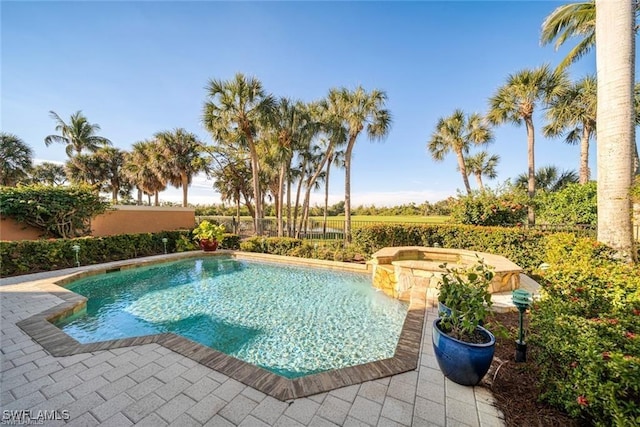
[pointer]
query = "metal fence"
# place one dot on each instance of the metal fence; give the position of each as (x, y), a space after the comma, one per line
(334, 228)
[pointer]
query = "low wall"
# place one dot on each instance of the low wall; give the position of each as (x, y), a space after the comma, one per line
(397, 269)
(122, 220)
(10, 229)
(142, 219)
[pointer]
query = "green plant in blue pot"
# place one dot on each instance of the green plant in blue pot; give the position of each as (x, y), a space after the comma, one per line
(463, 348)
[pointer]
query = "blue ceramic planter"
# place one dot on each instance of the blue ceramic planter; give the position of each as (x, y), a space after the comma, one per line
(461, 362)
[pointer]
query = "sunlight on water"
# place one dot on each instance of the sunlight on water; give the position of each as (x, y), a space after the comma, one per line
(290, 320)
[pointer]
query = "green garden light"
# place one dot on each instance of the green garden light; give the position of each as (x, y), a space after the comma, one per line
(522, 300)
(76, 249)
(164, 242)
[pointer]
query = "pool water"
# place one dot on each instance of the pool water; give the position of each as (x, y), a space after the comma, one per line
(290, 320)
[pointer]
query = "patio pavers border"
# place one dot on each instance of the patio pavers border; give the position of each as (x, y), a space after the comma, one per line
(58, 343)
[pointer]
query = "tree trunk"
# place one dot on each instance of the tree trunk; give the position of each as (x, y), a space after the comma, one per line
(347, 188)
(157, 198)
(185, 188)
(289, 183)
(310, 183)
(584, 155)
(615, 130)
(257, 196)
(296, 231)
(463, 170)
(280, 199)
(114, 195)
(531, 188)
(237, 225)
(479, 181)
(139, 196)
(326, 195)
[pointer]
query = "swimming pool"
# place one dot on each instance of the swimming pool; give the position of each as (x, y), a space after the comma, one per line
(290, 320)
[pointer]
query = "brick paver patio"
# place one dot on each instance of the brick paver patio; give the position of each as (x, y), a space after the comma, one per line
(151, 385)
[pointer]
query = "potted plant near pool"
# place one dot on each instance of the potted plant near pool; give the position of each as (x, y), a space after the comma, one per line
(463, 348)
(208, 235)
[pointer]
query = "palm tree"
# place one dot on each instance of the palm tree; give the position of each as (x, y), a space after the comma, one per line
(357, 109)
(182, 155)
(85, 168)
(456, 133)
(572, 20)
(293, 127)
(48, 173)
(482, 164)
(15, 159)
(615, 64)
(78, 135)
(142, 167)
(111, 161)
(516, 101)
(573, 115)
(548, 179)
(232, 173)
(233, 113)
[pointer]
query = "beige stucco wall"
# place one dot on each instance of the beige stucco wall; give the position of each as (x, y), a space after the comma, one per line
(121, 220)
(142, 219)
(10, 229)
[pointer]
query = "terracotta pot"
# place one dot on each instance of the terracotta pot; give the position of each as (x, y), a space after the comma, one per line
(208, 245)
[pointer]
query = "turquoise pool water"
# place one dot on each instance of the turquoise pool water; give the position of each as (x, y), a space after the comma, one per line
(290, 320)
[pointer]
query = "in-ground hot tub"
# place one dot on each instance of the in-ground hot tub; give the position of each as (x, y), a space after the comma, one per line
(396, 270)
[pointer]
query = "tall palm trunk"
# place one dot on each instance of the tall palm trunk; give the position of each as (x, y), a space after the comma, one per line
(615, 122)
(139, 196)
(478, 176)
(157, 199)
(347, 188)
(237, 225)
(289, 218)
(257, 196)
(185, 188)
(463, 170)
(584, 155)
(531, 187)
(310, 184)
(296, 230)
(280, 199)
(326, 195)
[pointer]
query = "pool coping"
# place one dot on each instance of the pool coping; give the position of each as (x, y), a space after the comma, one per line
(58, 343)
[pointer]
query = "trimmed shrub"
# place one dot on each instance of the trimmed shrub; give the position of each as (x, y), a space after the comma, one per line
(32, 256)
(576, 204)
(230, 241)
(270, 245)
(586, 329)
(522, 246)
(491, 208)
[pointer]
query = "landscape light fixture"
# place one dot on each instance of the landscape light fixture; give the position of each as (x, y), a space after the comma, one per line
(522, 300)
(76, 249)
(164, 242)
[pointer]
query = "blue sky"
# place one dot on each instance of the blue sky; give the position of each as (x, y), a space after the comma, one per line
(137, 68)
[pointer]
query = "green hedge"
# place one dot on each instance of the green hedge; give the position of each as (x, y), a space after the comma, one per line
(586, 332)
(33, 256)
(522, 246)
(270, 245)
